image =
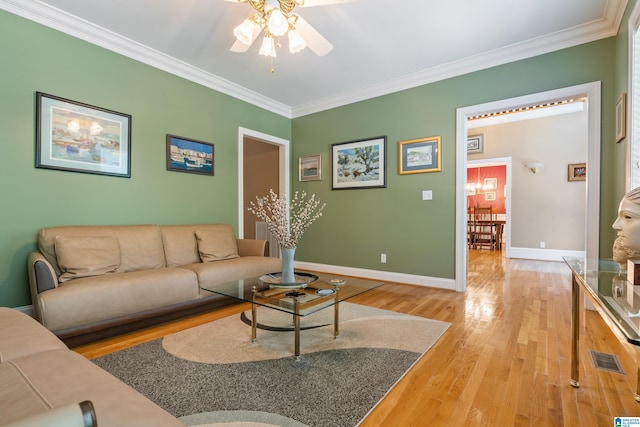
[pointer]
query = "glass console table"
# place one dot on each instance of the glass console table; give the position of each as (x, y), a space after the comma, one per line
(617, 301)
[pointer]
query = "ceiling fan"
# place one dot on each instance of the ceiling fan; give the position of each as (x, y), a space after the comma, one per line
(276, 18)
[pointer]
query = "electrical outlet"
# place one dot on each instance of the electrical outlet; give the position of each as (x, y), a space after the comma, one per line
(541, 245)
(383, 258)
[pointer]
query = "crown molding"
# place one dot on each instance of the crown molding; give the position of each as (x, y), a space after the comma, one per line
(57, 19)
(46, 15)
(602, 28)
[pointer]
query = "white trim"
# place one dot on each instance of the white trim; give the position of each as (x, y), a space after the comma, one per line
(633, 25)
(596, 30)
(592, 223)
(544, 254)
(87, 31)
(410, 279)
(284, 167)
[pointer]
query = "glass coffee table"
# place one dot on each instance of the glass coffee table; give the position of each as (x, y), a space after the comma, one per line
(312, 294)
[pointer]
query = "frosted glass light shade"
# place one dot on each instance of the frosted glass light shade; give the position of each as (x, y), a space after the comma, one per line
(244, 31)
(268, 47)
(296, 42)
(278, 24)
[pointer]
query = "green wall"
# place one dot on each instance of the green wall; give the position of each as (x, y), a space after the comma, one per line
(418, 236)
(36, 58)
(357, 225)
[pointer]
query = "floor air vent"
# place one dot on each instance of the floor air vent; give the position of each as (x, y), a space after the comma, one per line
(606, 361)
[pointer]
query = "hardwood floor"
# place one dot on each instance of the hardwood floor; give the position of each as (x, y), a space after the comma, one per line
(505, 360)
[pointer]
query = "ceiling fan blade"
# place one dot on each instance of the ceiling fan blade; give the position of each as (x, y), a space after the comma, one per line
(240, 47)
(316, 42)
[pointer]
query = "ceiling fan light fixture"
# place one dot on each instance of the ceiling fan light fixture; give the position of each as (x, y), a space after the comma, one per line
(296, 42)
(278, 24)
(244, 31)
(268, 47)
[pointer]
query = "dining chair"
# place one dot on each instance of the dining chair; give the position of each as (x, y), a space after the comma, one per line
(484, 233)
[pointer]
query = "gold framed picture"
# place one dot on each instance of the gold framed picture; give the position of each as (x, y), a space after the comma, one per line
(419, 155)
(577, 172)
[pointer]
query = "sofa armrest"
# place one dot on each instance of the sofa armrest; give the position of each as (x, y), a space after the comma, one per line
(42, 276)
(253, 247)
(73, 415)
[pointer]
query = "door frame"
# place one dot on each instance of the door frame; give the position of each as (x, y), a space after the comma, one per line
(283, 166)
(592, 224)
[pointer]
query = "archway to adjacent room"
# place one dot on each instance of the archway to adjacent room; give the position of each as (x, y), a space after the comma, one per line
(592, 92)
(263, 164)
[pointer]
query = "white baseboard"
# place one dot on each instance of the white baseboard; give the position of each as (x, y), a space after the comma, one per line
(544, 254)
(389, 276)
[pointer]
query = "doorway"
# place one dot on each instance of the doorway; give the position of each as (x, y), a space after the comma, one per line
(592, 233)
(259, 155)
(503, 191)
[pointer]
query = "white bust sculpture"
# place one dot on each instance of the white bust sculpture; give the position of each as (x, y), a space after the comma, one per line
(627, 244)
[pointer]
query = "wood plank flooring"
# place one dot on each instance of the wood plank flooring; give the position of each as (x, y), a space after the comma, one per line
(505, 361)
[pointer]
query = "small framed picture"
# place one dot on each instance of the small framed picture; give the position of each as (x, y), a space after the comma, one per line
(475, 144)
(359, 164)
(491, 183)
(310, 168)
(577, 172)
(189, 155)
(621, 117)
(76, 137)
(490, 195)
(419, 155)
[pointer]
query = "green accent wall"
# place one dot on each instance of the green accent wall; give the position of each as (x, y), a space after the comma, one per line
(357, 225)
(418, 236)
(37, 58)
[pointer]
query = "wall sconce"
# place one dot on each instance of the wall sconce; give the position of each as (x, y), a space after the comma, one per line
(534, 166)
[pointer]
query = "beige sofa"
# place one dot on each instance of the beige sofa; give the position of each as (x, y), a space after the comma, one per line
(43, 382)
(91, 282)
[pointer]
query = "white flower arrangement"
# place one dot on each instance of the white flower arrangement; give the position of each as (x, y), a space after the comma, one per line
(287, 223)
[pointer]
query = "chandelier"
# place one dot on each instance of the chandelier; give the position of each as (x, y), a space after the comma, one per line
(275, 18)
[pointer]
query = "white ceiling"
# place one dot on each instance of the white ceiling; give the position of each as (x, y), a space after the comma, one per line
(380, 46)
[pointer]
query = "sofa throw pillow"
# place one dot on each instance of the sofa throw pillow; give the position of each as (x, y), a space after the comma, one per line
(216, 245)
(84, 256)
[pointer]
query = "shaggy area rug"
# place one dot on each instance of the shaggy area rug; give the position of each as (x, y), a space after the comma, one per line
(213, 374)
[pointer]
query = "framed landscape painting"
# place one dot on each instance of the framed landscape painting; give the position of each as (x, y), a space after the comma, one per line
(76, 137)
(359, 164)
(419, 155)
(310, 168)
(189, 155)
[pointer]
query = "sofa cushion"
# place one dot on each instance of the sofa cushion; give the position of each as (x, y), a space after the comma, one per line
(213, 273)
(140, 245)
(217, 244)
(181, 245)
(22, 335)
(86, 256)
(51, 379)
(95, 299)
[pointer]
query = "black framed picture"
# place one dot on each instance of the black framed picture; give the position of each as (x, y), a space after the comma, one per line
(77, 137)
(359, 164)
(189, 155)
